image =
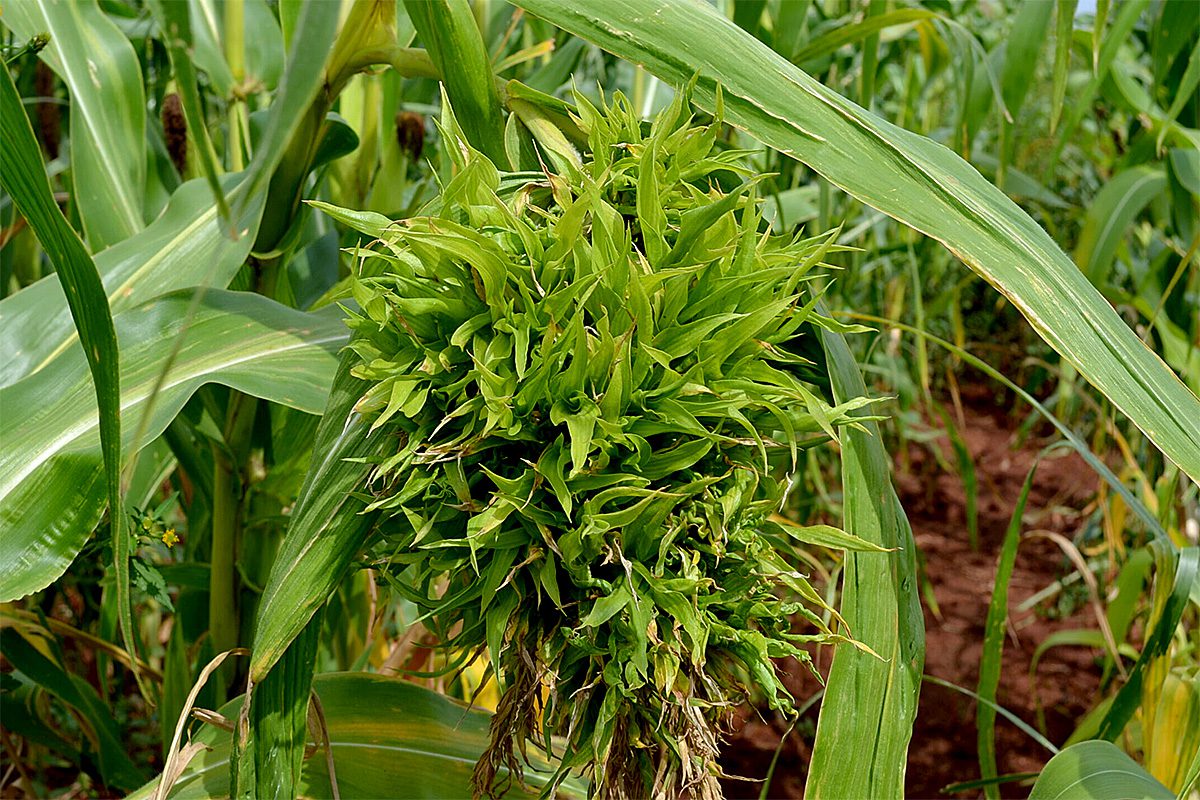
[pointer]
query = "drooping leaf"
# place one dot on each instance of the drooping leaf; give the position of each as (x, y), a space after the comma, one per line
(184, 247)
(51, 481)
(24, 178)
(187, 245)
(108, 111)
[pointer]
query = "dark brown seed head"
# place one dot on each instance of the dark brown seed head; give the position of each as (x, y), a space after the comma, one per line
(49, 115)
(175, 131)
(410, 132)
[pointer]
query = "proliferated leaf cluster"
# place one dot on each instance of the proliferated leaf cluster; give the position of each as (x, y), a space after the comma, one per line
(598, 381)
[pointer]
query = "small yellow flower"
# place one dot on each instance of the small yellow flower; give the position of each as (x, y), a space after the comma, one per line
(170, 538)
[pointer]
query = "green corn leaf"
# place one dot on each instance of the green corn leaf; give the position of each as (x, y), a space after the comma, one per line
(1064, 25)
(327, 527)
(1096, 770)
(389, 737)
(1109, 216)
(448, 30)
(1075, 637)
(108, 111)
(51, 481)
(1177, 574)
(870, 701)
(789, 27)
(911, 178)
(1030, 25)
(21, 719)
(849, 34)
(187, 245)
(270, 762)
(184, 247)
(24, 178)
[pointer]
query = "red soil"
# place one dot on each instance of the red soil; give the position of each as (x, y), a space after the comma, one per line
(943, 749)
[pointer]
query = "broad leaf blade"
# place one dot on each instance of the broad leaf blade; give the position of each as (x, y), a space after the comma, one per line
(1096, 770)
(270, 762)
(870, 702)
(389, 737)
(327, 528)
(908, 177)
(185, 246)
(51, 489)
(24, 178)
(108, 111)
(448, 30)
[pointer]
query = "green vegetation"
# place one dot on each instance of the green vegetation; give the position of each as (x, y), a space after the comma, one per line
(581, 404)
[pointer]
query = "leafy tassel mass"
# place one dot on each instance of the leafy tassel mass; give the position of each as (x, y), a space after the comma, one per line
(598, 381)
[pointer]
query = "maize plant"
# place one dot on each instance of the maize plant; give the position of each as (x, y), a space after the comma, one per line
(433, 398)
(593, 391)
